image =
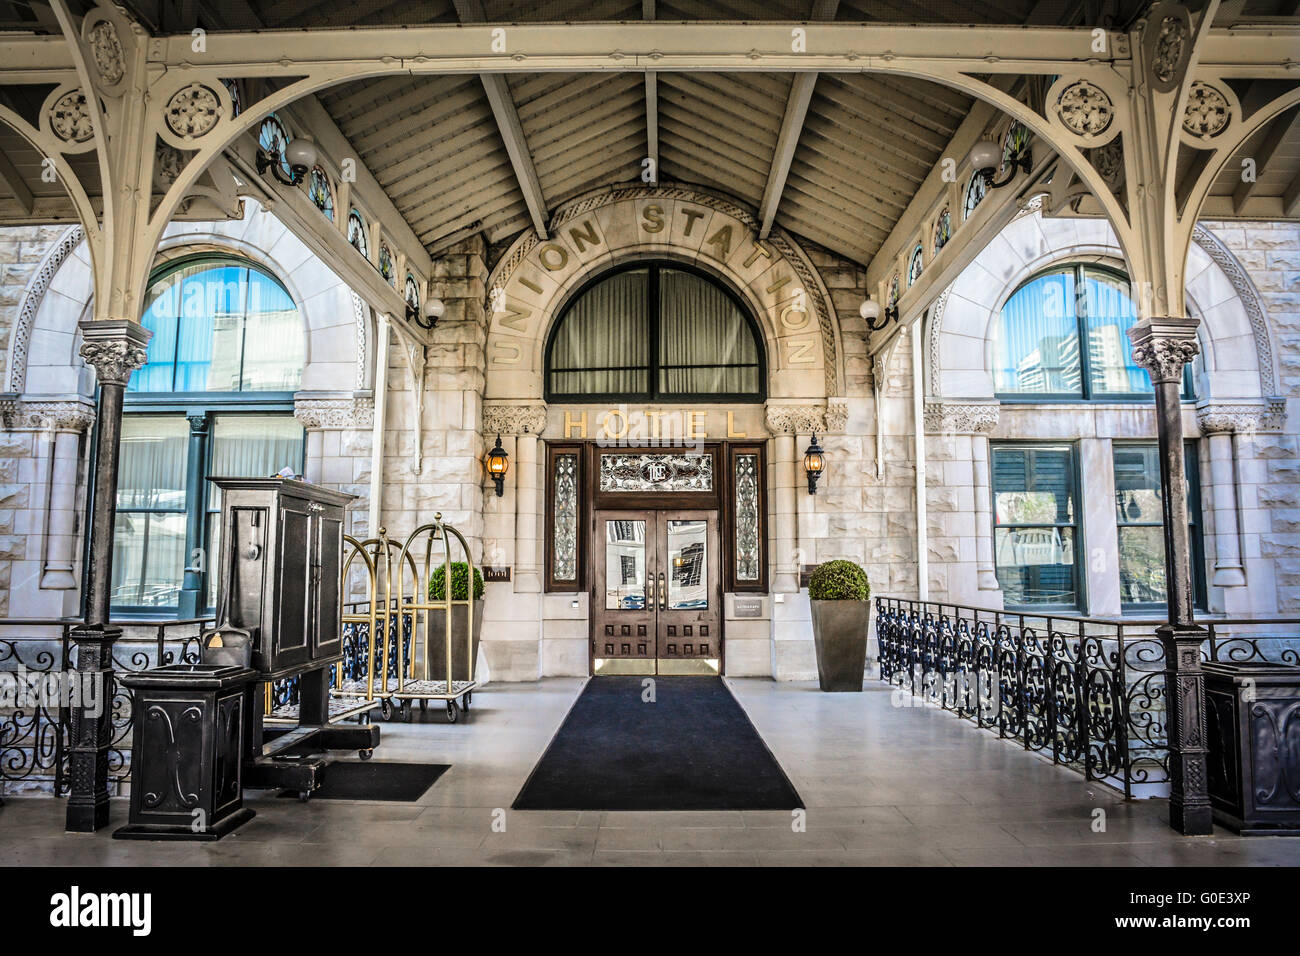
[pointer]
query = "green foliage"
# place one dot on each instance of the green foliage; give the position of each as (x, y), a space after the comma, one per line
(459, 582)
(839, 581)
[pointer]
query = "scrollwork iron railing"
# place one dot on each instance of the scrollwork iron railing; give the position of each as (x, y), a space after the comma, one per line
(1089, 692)
(33, 736)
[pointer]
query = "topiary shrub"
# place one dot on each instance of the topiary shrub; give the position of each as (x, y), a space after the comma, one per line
(839, 581)
(459, 582)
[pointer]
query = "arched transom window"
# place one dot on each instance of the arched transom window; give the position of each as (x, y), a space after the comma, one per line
(1064, 335)
(655, 330)
(219, 324)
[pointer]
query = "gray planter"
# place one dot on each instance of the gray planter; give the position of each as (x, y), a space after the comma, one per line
(840, 633)
(461, 669)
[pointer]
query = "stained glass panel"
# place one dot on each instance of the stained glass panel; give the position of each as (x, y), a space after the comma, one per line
(565, 535)
(747, 528)
(656, 473)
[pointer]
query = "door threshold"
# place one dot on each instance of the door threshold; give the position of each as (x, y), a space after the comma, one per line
(668, 666)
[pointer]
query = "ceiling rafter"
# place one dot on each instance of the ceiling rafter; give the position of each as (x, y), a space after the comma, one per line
(787, 139)
(1282, 129)
(13, 180)
(512, 131)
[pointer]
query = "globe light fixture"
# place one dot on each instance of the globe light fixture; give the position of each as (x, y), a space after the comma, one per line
(300, 156)
(498, 463)
(985, 157)
(814, 463)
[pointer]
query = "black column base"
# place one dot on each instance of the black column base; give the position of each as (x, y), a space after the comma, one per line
(147, 831)
(1191, 821)
(87, 817)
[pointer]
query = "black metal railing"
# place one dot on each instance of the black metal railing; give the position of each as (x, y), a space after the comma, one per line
(1088, 691)
(34, 736)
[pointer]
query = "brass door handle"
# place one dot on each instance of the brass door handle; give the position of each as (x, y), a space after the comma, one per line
(663, 594)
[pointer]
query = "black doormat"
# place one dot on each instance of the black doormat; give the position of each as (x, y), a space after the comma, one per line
(692, 749)
(376, 780)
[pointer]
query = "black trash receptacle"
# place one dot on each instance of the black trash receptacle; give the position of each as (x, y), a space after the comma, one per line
(1253, 722)
(186, 774)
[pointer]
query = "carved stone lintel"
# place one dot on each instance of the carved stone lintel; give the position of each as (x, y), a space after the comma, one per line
(961, 418)
(1164, 346)
(355, 412)
(796, 419)
(1241, 417)
(59, 416)
(114, 348)
(521, 419)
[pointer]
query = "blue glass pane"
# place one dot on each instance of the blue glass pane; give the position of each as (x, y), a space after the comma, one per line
(1036, 339)
(1109, 314)
(211, 330)
(161, 309)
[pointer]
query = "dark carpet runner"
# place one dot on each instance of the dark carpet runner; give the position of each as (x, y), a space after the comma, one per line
(692, 749)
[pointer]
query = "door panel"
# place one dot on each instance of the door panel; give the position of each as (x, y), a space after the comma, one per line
(656, 598)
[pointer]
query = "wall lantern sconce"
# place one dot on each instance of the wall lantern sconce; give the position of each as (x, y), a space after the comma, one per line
(498, 463)
(814, 463)
(871, 312)
(300, 155)
(428, 316)
(985, 157)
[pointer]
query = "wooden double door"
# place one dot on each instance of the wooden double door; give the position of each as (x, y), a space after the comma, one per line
(656, 597)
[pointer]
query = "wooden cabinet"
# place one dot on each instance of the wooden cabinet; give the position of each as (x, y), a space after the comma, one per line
(281, 554)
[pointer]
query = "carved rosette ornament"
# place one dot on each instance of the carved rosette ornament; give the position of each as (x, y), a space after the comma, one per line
(796, 419)
(514, 419)
(193, 111)
(1168, 42)
(1085, 109)
(70, 118)
(1164, 346)
(1207, 112)
(106, 51)
(961, 418)
(330, 413)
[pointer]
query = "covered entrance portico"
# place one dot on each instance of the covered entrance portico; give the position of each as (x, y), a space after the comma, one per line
(747, 229)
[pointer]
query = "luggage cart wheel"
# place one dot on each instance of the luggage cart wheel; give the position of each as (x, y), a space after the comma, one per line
(465, 705)
(386, 709)
(365, 754)
(424, 704)
(452, 714)
(304, 796)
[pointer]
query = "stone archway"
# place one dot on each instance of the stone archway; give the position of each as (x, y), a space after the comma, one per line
(531, 283)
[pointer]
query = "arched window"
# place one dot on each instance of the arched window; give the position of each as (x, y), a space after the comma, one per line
(206, 314)
(915, 265)
(215, 397)
(1064, 335)
(412, 295)
(357, 233)
(274, 138)
(320, 192)
(655, 330)
(976, 187)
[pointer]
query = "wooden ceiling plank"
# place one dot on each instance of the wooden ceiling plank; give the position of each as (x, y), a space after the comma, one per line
(1282, 129)
(16, 184)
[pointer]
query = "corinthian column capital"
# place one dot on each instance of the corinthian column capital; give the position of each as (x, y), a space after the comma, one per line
(114, 348)
(1164, 346)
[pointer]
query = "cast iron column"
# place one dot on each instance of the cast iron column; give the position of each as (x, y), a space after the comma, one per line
(114, 348)
(1163, 346)
(192, 594)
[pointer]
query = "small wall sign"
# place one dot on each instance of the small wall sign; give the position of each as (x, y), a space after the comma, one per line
(496, 574)
(749, 607)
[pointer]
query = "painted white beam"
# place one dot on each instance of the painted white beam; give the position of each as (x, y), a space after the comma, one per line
(652, 121)
(13, 179)
(1277, 134)
(512, 131)
(787, 138)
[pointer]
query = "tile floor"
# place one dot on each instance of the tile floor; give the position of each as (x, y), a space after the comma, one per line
(882, 786)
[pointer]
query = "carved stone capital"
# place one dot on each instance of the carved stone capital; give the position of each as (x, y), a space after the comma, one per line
(961, 418)
(358, 411)
(1219, 417)
(837, 417)
(114, 348)
(520, 419)
(1164, 346)
(802, 419)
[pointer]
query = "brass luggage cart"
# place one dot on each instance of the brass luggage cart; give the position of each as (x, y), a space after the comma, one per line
(415, 680)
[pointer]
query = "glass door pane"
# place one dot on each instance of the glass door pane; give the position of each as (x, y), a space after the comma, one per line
(688, 569)
(625, 565)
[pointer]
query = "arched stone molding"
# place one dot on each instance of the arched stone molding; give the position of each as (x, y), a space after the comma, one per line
(1237, 348)
(531, 284)
(336, 323)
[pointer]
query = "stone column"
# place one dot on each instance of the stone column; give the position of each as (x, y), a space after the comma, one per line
(1163, 346)
(67, 421)
(114, 348)
(1222, 423)
(785, 422)
(526, 422)
(976, 418)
